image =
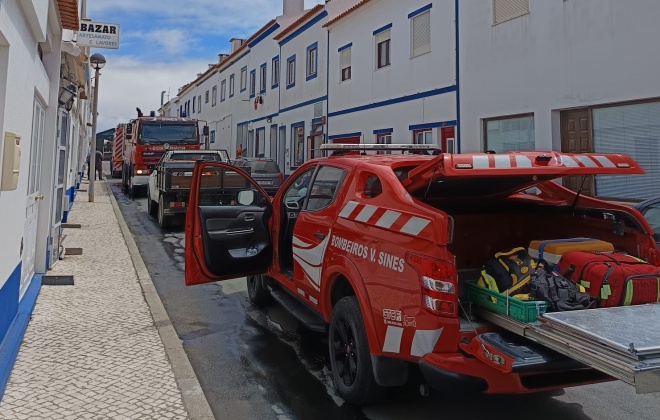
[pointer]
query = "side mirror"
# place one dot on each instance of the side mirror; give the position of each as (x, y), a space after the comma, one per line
(246, 197)
(129, 128)
(151, 167)
(205, 130)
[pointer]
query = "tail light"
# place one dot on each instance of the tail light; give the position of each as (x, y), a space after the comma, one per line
(280, 176)
(438, 282)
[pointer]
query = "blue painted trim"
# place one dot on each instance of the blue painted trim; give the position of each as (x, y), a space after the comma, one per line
(264, 35)
(316, 65)
(253, 86)
(223, 90)
(243, 89)
(349, 45)
(11, 343)
(458, 81)
(302, 104)
(416, 127)
(232, 85)
(401, 99)
(344, 136)
(275, 82)
(327, 82)
(9, 300)
(384, 131)
(261, 71)
(298, 124)
(65, 216)
(318, 120)
(303, 28)
(288, 60)
(383, 29)
(420, 11)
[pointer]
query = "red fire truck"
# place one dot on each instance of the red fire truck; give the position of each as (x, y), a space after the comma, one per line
(116, 162)
(147, 138)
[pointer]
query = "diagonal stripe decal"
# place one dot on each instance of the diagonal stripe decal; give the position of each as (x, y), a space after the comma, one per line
(366, 213)
(415, 225)
(348, 209)
(387, 220)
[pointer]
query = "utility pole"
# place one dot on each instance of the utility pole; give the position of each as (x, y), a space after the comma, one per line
(98, 61)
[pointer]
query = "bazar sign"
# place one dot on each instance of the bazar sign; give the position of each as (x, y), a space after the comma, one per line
(98, 35)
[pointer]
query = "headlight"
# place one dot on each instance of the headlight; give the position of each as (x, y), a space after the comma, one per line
(142, 172)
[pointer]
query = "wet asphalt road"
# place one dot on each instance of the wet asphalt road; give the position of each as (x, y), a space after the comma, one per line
(259, 364)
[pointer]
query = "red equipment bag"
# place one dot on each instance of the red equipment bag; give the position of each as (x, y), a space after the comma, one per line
(614, 279)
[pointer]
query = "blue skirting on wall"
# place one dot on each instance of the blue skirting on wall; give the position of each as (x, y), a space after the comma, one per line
(11, 343)
(71, 194)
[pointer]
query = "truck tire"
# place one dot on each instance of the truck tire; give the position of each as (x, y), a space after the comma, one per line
(350, 359)
(163, 221)
(124, 179)
(152, 206)
(257, 291)
(132, 189)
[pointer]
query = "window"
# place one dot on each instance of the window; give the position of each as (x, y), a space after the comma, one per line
(243, 79)
(253, 82)
(223, 90)
(291, 72)
(262, 78)
(212, 137)
(345, 63)
(206, 97)
(297, 145)
(214, 95)
(504, 10)
(324, 188)
(423, 137)
(420, 34)
(275, 72)
(194, 102)
(372, 187)
(509, 133)
(385, 138)
(199, 104)
(383, 49)
(231, 86)
(312, 60)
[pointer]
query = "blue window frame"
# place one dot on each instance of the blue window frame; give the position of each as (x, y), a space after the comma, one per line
(223, 90)
(212, 137)
(243, 79)
(291, 72)
(253, 82)
(194, 102)
(275, 72)
(231, 86)
(312, 66)
(263, 72)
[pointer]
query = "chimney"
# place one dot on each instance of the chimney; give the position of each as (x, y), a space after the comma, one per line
(222, 57)
(236, 43)
(293, 7)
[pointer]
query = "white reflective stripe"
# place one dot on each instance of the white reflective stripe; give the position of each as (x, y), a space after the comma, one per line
(424, 341)
(366, 213)
(587, 161)
(313, 273)
(313, 300)
(502, 161)
(523, 161)
(415, 225)
(479, 162)
(348, 209)
(298, 242)
(605, 161)
(301, 292)
(392, 342)
(568, 161)
(387, 220)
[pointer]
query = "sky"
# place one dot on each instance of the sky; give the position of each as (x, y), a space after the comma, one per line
(163, 44)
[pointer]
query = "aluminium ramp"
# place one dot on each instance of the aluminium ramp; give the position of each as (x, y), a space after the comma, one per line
(623, 342)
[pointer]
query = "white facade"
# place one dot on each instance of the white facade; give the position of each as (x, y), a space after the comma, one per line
(564, 56)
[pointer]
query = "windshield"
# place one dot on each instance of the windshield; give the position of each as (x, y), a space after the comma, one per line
(263, 166)
(196, 156)
(159, 133)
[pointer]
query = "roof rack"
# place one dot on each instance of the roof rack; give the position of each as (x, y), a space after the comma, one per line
(363, 146)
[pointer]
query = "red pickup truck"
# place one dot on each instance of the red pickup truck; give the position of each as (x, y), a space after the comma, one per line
(375, 249)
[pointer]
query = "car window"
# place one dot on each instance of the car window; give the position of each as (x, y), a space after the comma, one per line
(263, 167)
(196, 156)
(324, 187)
(652, 215)
(373, 187)
(297, 190)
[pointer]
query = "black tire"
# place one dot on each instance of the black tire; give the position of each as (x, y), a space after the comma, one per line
(151, 205)
(350, 359)
(124, 179)
(163, 221)
(257, 291)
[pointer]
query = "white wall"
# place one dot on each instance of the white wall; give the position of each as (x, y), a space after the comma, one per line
(405, 76)
(564, 54)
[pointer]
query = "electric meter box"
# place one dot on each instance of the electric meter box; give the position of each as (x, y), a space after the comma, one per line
(11, 161)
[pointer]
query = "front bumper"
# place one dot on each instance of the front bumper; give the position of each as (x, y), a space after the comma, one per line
(140, 180)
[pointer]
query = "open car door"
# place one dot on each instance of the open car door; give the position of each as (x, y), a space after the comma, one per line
(227, 233)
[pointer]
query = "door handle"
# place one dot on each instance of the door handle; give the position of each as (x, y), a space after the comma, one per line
(249, 217)
(39, 197)
(319, 235)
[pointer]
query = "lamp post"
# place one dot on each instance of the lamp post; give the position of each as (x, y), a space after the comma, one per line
(97, 61)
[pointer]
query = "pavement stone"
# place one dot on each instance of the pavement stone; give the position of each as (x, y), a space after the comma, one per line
(92, 350)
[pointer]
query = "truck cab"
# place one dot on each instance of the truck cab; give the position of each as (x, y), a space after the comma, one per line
(375, 250)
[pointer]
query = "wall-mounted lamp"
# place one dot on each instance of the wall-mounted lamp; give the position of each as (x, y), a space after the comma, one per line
(66, 94)
(69, 104)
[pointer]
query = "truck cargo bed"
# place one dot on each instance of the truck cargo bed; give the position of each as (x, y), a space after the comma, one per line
(623, 342)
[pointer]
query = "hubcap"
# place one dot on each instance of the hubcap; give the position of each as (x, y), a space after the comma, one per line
(345, 351)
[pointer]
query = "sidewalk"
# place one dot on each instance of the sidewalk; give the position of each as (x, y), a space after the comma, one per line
(103, 348)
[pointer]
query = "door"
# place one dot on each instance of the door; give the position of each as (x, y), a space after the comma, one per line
(34, 197)
(273, 142)
(312, 232)
(576, 138)
(447, 139)
(227, 233)
(60, 182)
(260, 143)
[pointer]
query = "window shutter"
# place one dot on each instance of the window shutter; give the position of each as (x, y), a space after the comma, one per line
(509, 9)
(421, 34)
(345, 58)
(382, 37)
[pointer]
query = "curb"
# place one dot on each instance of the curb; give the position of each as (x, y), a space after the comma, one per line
(193, 397)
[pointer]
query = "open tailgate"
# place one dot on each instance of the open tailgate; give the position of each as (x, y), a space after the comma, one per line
(488, 175)
(623, 342)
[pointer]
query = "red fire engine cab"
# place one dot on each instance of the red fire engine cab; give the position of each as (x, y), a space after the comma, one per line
(376, 250)
(147, 138)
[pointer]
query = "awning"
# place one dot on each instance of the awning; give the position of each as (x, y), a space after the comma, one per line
(69, 14)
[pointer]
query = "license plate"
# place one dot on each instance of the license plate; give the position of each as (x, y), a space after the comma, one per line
(265, 182)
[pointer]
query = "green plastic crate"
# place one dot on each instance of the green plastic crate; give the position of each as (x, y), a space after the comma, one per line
(497, 302)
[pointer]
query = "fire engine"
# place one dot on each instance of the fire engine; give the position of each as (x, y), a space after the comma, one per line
(147, 138)
(117, 159)
(377, 251)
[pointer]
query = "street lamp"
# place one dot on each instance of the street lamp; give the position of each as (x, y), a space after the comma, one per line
(97, 61)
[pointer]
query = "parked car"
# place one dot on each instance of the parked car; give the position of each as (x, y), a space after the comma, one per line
(263, 170)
